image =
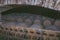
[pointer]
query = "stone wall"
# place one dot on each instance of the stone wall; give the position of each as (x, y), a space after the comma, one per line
(52, 4)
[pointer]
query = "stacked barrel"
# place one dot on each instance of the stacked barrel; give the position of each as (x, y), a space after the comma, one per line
(25, 26)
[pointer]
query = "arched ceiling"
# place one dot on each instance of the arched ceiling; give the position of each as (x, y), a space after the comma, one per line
(34, 10)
